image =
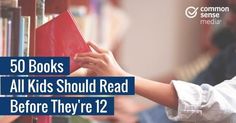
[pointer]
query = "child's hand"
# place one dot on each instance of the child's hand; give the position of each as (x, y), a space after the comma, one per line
(102, 62)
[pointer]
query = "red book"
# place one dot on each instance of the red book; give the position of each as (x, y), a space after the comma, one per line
(60, 37)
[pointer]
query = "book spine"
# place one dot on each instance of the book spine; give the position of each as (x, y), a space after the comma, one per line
(4, 36)
(8, 37)
(40, 12)
(15, 31)
(13, 16)
(26, 35)
(21, 41)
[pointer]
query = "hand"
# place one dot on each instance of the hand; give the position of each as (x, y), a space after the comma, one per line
(101, 62)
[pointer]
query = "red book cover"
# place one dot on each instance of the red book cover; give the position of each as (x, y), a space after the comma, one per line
(60, 37)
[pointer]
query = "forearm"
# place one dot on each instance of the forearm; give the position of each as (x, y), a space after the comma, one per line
(161, 93)
(103, 63)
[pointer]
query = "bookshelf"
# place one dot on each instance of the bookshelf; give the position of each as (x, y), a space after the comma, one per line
(30, 20)
(23, 8)
(28, 8)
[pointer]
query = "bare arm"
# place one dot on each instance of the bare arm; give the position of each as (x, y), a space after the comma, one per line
(103, 63)
(204, 103)
(161, 93)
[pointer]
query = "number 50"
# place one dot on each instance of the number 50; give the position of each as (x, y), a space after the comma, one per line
(17, 65)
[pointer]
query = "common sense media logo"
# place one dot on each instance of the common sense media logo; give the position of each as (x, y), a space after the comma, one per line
(191, 12)
(208, 15)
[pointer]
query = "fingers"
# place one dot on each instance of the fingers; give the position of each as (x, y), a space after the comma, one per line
(89, 60)
(98, 56)
(96, 48)
(91, 63)
(94, 61)
(88, 54)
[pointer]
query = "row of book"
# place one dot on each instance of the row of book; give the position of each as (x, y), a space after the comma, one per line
(14, 30)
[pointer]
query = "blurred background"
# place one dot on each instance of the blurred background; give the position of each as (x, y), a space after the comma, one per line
(160, 37)
(154, 39)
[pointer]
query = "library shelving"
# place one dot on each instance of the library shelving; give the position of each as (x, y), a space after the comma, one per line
(18, 21)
